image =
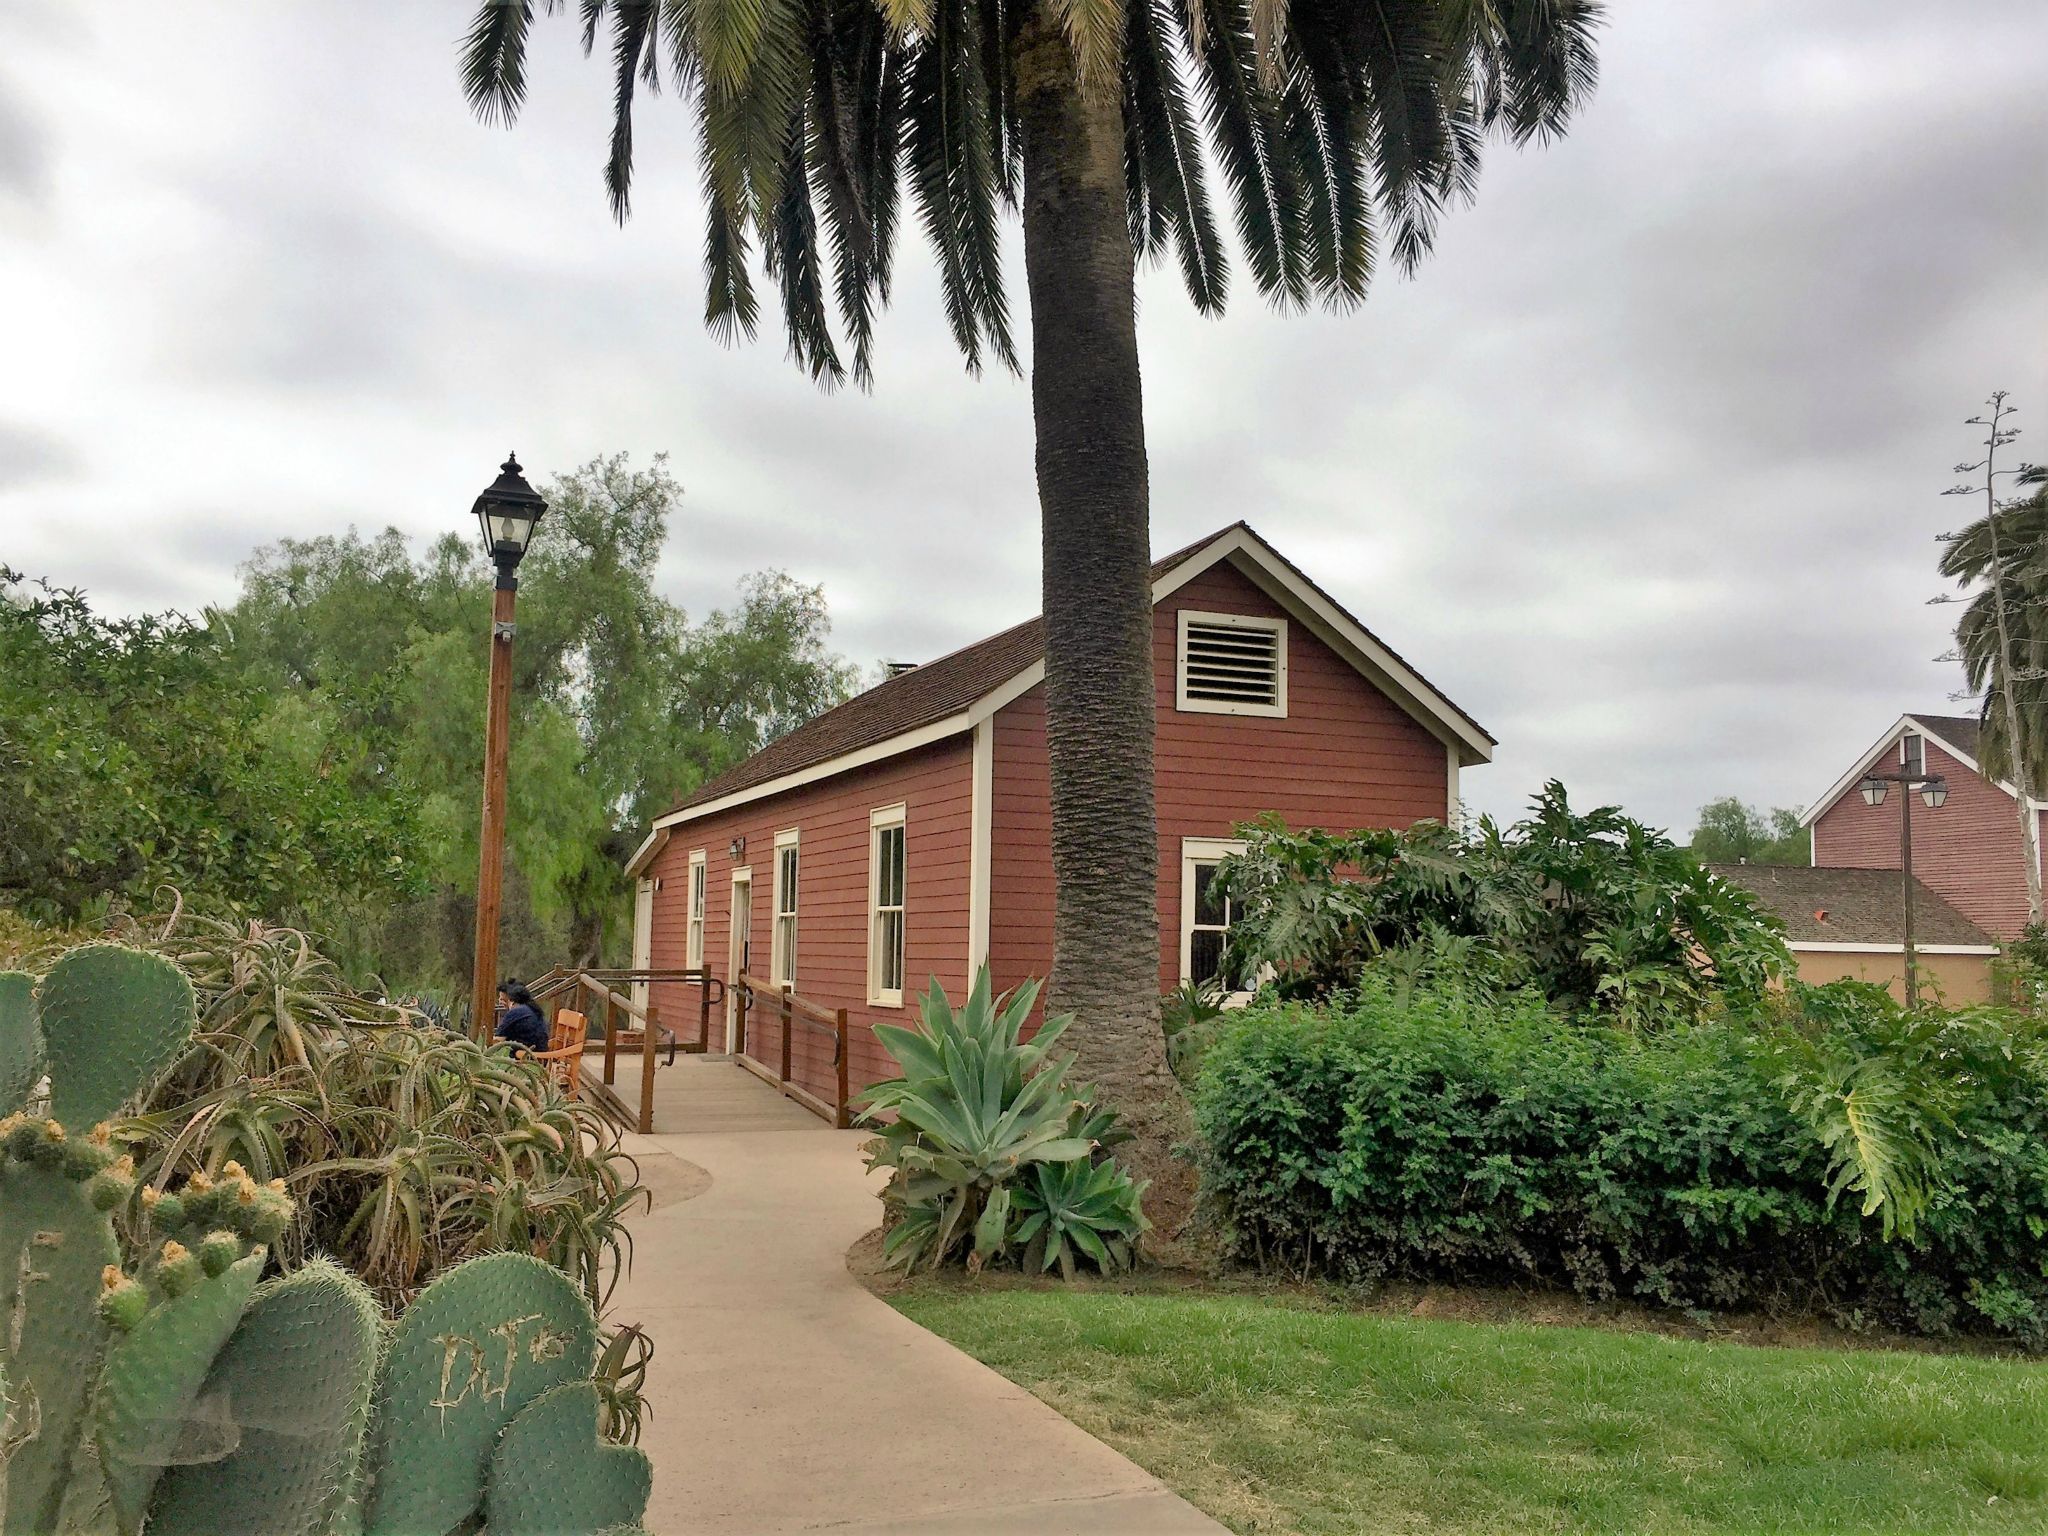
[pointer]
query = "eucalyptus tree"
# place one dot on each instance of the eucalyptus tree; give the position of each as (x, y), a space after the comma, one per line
(1340, 129)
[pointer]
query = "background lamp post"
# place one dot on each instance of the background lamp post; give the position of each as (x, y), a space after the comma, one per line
(1934, 793)
(506, 512)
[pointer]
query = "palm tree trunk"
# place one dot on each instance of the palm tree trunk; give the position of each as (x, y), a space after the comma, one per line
(1094, 502)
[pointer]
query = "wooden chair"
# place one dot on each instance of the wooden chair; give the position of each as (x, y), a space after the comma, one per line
(564, 1056)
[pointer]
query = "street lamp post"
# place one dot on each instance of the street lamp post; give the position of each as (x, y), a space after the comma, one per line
(1934, 791)
(506, 512)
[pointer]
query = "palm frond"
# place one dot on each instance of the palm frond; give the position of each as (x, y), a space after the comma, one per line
(494, 59)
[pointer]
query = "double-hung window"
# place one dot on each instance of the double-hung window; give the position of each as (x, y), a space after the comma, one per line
(886, 906)
(783, 960)
(1205, 913)
(1913, 752)
(694, 947)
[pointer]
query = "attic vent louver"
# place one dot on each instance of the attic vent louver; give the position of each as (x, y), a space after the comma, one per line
(1232, 664)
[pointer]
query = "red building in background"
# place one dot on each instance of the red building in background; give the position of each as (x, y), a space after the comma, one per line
(1969, 851)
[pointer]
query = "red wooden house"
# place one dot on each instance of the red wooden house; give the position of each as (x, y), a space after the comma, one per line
(1969, 850)
(906, 834)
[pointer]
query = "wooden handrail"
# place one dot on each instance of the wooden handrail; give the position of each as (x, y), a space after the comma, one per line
(791, 1009)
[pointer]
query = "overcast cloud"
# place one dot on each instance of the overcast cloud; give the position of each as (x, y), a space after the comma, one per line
(1642, 468)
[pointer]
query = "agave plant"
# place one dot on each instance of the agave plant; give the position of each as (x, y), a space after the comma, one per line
(978, 1110)
(1081, 1207)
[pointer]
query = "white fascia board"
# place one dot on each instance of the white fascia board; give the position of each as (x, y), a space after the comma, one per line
(650, 845)
(1855, 775)
(1821, 947)
(894, 746)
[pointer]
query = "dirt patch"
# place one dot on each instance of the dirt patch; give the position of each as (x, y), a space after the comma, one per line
(668, 1179)
(1451, 1303)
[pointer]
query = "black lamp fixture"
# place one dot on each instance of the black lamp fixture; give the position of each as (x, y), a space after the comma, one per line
(1934, 793)
(1874, 791)
(507, 512)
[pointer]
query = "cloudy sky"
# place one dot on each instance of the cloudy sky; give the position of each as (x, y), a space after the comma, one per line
(1642, 468)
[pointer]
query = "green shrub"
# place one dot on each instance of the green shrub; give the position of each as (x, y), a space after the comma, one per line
(992, 1151)
(1429, 1132)
(1594, 909)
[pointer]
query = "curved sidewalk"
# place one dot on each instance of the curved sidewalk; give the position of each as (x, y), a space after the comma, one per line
(786, 1398)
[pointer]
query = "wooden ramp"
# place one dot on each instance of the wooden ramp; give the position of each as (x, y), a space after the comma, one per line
(711, 1095)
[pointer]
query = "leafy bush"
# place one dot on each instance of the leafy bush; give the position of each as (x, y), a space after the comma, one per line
(1595, 910)
(1435, 1132)
(992, 1150)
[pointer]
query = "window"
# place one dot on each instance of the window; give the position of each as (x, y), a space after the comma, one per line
(1231, 664)
(1205, 914)
(1913, 753)
(693, 953)
(783, 958)
(885, 905)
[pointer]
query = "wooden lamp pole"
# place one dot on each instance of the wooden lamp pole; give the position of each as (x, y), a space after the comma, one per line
(1934, 791)
(507, 512)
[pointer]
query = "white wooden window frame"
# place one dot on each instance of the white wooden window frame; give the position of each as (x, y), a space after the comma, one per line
(1194, 853)
(888, 818)
(696, 896)
(1906, 757)
(789, 886)
(1195, 706)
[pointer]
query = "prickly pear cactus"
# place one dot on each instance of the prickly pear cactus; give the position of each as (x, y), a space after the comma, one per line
(472, 1350)
(21, 1043)
(153, 1373)
(292, 1387)
(55, 1241)
(111, 1019)
(552, 1473)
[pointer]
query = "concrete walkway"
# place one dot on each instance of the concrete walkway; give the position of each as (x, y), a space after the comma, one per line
(786, 1398)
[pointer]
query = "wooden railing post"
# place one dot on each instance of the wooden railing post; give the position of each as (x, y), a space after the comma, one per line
(650, 1030)
(742, 1006)
(611, 1044)
(785, 1031)
(840, 1119)
(703, 1008)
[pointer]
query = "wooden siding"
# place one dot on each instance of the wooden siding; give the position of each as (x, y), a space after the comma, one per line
(1969, 850)
(831, 818)
(1344, 756)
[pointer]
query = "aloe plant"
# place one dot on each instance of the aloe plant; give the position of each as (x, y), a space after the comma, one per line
(148, 1383)
(977, 1110)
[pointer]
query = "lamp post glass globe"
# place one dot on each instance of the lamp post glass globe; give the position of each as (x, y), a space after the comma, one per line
(1934, 792)
(507, 512)
(1874, 791)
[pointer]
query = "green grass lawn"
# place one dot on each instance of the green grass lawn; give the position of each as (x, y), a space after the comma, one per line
(1280, 1417)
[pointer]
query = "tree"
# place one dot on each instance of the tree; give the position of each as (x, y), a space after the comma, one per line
(1730, 832)
(131, 759)
(622, 704)
(2002, 637)
(1341, 132)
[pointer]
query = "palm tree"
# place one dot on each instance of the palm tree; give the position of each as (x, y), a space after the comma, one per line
(1341, 130)
(2002, 639)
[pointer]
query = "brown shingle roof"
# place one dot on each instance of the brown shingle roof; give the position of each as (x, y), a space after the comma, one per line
(1959, 731)
(1850, 906)
(936, 691)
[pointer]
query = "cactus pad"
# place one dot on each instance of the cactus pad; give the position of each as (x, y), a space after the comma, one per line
(112, 1018)
(472, 1350)
(552, 1474)
(152, 1379)
(292, 1388)
(21, 1042)
(53, 1248)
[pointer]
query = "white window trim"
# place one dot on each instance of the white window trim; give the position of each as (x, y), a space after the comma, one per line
(1186, 705)
(696, 903)
(781, 965)
(1194, 851)
(1904, 737)
(879, 821)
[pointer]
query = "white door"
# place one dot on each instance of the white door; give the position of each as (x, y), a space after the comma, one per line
(643, 938)
(742, 929)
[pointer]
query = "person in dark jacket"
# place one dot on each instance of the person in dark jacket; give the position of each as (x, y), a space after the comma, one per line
(519, 1022)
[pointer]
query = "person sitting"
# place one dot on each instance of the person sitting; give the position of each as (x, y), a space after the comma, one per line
(519, 1021)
